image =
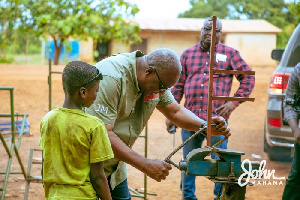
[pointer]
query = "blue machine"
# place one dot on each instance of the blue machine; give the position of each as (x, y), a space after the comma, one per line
(229, 164)
(227, 170)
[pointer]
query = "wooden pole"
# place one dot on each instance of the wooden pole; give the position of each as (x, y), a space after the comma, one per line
(211, 72)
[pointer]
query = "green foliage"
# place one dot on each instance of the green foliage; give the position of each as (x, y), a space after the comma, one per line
(8, 15)
(206, 8)
(102, 20)
(283, 14)
(7, 59)
(292, 20)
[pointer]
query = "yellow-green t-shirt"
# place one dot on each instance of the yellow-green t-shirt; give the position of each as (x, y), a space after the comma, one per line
(71, 140)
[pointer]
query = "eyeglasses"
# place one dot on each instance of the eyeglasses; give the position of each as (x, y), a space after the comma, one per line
(207, 30)
(99, 76)
(161, 86)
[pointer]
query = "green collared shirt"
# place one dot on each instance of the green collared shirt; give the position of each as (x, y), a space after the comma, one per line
(120, 103)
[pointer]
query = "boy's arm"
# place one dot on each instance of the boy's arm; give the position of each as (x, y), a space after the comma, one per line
(99, 181)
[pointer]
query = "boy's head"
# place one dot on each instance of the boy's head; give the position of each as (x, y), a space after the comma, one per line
(80, 79)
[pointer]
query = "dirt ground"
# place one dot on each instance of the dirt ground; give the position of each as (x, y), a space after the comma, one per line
(246, 123)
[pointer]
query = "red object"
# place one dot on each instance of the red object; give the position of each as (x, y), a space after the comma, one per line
(279, 81)
(274, 122)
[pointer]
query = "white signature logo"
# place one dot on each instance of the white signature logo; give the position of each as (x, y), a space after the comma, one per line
(102, 109)
(256, 174)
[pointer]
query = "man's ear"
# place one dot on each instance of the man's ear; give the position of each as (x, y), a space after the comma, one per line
(150, 70)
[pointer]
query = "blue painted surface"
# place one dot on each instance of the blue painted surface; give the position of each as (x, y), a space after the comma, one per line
(65, 56)
(5, 126)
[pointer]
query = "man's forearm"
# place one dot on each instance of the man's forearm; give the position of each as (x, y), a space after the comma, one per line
(187, 120)
(181, 117)
(124, 153)
(154, 168)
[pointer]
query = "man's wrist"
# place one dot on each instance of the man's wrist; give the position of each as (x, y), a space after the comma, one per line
(203, 124)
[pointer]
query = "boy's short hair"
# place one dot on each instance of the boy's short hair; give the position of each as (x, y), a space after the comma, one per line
(79, 74)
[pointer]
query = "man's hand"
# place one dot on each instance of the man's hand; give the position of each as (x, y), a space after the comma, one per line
(168, 124)
(157, 169)
(297, 135)
(226, 109)
(294, 124)
(221, 127)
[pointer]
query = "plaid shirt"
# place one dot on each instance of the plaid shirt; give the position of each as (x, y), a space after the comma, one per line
(194, 78)
(292, 88)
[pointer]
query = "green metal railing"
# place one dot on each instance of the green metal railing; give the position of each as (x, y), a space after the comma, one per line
(50, 83)
(13, 147)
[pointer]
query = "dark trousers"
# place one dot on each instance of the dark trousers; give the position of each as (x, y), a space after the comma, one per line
(292, 187)
(121, 191)
(189, 181)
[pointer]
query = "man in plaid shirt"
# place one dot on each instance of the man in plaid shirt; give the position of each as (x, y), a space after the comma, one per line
(291, 190)
(193, 84)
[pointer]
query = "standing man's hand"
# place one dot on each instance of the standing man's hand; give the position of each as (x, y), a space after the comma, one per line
(226, 109)
(297, 135)
(157, 169)
(294, 124)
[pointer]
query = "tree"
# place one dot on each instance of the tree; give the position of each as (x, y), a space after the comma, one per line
(61, 19)
(206, 8)
(8, 16)
(281, 13)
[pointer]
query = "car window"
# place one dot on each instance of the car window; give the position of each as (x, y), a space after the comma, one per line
(295, 54)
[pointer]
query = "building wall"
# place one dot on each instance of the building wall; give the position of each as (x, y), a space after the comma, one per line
(254, 48)
(86, 51)
(177, 41)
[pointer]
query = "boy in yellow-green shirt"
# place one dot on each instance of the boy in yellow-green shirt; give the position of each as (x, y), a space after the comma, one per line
(74, 143)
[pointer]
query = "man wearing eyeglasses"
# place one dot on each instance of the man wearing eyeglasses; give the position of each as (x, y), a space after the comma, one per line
(134, 85)
(193, 84)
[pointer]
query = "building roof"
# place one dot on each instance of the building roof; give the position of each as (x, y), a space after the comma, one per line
(195, 24)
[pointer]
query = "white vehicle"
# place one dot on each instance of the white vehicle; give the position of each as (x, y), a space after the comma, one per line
(278, 137)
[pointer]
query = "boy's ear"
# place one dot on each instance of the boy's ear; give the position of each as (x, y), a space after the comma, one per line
(82, 92)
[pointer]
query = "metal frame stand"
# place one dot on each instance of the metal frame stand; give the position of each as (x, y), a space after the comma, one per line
(143, 194)
(50, 83)
(210, 88)
(30, 178)
(14, 147)
(229, 186)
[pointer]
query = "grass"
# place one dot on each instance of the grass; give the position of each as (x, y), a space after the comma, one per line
(33, 59)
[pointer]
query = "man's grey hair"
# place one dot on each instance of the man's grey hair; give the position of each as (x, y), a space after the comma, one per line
(210, 19)
(164, 59)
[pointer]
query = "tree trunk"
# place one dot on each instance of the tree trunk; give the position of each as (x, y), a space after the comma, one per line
(57, 51)
(27, 48)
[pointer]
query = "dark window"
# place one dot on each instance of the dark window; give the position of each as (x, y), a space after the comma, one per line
(295, 54)
(103, 50)
(140, 46)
